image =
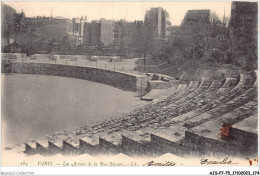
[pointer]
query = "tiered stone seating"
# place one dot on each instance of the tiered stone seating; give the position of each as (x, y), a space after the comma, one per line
(239, 114)
(240, 100)
(187, 109)
(204, 85)
(175, 92)
(30, 148)
(190, 88)
(241, 139)
(42, 147)
(249, 95)
(207, 141)
(89, 145)
(169, 140)
(55, 147)
(158, 94)
(190, 121)
(179, 90)
(246, 132)
(197, 100)
(70, 148)
(249, 124)
(136, 143)
(246, 81)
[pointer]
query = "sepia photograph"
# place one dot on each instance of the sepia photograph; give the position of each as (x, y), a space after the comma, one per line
(129, 83)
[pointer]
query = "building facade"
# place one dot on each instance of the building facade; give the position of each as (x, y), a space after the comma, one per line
(99, 33)
(127, 35)
(107, 32)
(92, 33)
(95, 33)
(7, 25)
(120, 33)
(159, 22)
(78, 30)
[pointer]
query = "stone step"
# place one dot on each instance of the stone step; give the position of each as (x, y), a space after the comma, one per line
(220, 110)
(249, 124)
(205, 82)
(70, 148)
(190, 88)
(223, 109)
(30, 148)
(109, 143)
(169, 140)
(222, 138)
(42, 147)
(54, 148)
(229, 83)
(199, 90)
(136, 143)
(89, 145)
(153, 94)
(239, 114)
(216, 84)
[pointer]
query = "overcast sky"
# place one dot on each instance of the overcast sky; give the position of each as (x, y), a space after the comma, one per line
(116, 10)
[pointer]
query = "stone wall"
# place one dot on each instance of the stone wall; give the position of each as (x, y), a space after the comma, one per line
(121, 80)
(160, 81)
(108, 147)
(135, 148)
(245, 139)
(194, 145)
(201, 146)
(83, 57)
(162, 145)
(13, 55)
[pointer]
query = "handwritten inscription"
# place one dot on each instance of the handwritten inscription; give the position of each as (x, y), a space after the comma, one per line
(167, 163)
(214, 162)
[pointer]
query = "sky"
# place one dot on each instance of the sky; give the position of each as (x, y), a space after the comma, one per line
(129, 11)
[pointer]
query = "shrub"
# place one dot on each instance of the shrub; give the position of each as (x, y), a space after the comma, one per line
(218, 55)
(187, 52)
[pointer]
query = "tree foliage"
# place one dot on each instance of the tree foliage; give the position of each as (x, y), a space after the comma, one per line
(198, 39)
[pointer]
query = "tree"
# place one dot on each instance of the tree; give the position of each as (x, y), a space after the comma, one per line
(226, 21)
(146, 42)
(50, 45)
(214, 19)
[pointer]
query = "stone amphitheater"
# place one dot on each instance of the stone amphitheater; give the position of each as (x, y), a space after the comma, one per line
(193, 119)
(196, 118)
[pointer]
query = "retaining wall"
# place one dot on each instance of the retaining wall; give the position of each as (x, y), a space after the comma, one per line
(121, 80)
(194, 145)
(214, 147)
(162, 145)
(13, 55)
(84, 57)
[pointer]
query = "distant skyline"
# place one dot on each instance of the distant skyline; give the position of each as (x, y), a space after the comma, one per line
(129, 11)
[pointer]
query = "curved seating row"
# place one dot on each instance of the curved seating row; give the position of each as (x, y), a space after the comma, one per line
(161, 114)
(174, 124)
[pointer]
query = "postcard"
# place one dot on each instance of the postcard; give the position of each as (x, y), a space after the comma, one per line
(129, 84)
